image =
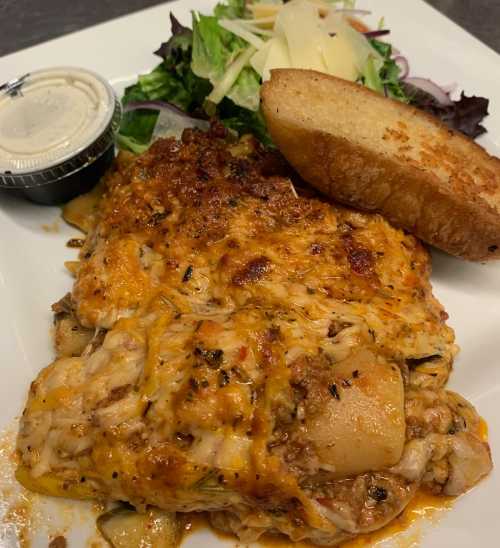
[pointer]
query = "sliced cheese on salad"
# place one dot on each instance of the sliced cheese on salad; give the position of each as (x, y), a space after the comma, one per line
(240, 29)
(271, 9)
(224, 85)
(299, 24)
(273, 55)
(360, 48)
(307, 34)
(258, 60)
(340, 59)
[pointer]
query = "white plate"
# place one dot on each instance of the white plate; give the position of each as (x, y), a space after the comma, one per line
(32, 275)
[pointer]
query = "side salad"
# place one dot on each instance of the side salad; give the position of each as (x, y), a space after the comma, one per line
(216, 68)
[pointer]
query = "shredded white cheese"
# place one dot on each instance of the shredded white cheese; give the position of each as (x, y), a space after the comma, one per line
(243, 32)
(232, 73)
(307, 34)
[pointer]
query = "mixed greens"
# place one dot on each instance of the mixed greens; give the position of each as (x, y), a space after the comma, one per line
(215, 69)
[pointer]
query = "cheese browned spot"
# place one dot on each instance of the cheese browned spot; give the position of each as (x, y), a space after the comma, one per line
(253, 271)
(274, 359)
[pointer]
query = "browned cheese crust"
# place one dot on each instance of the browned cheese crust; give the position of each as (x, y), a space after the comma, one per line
(377, 154)
(241, 349)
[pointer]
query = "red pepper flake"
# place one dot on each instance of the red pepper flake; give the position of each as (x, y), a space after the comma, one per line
(361, 260)
(242, 353)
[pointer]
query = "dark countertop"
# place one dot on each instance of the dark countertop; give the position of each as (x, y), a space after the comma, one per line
(24, 23)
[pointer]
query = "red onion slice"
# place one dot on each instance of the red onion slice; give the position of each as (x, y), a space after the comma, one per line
(376, 33)
(154, 105)
(450, 88)
(371, 33)
(171, 121)
(403, 65)
(431, 88)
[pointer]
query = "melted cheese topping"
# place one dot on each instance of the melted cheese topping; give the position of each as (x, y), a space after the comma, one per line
(248, 327)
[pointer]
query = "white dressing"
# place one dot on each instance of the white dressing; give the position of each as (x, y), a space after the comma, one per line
(54, 114)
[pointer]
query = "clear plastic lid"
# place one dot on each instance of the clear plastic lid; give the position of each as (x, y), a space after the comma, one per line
(51, 115)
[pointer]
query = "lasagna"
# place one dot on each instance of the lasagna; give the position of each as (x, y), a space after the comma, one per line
(237, 345)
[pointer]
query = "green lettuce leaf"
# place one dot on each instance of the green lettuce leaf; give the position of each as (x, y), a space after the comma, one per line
(193, 61)
(244, 121)
(189, 89)
(384, 78)
(136, 127)
(172, 81)
(231, 9)
(245, 92)
(178, 47)
(130, 143)
(214, 48)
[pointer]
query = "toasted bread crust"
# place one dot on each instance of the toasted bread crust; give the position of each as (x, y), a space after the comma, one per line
(381, 155)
